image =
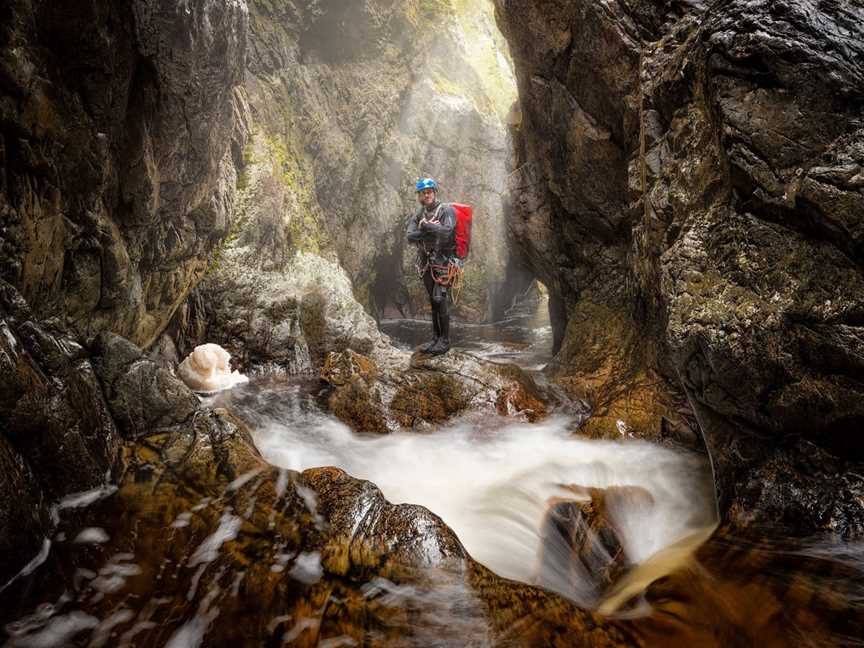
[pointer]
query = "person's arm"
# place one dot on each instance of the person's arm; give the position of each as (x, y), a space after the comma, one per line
(445, 227)
(413, 232)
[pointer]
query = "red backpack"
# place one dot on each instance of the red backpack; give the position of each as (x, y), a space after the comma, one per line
(464, 214)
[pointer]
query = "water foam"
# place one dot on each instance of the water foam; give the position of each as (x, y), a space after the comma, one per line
(493, 487)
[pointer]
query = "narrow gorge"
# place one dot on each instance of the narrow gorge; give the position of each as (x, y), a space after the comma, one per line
(646, 432)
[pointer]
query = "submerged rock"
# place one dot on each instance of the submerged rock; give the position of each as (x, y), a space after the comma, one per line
(582, 550)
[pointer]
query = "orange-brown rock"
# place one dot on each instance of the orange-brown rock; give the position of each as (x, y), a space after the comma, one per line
(340, 368)
(429, 398)
(402, 391)
(205, 541)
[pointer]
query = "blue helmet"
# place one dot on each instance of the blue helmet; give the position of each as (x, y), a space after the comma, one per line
(426, 183)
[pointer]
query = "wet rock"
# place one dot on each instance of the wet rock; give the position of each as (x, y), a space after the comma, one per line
(142, 395)
(24, 518)
(418, 391)
(582, 551)
(317, 556)
(56, 432)
(53, 410)
(689, 192)
(113, 195)
(360, 405)
(281, 319)
(340, 368)
(370, 537)
(430, 398)
(801, 484)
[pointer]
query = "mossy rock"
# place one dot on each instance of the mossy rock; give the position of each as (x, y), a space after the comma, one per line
(340, 368)
(359, 405)
(433, 399)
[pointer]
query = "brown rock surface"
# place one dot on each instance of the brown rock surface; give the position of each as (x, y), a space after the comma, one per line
(688, 187)
(116, 123)
(421, 391)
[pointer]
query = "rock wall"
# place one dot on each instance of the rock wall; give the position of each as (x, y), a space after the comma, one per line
(350, 103)
(116, 125)
(342, 107)
(689, 186)
(117, 128)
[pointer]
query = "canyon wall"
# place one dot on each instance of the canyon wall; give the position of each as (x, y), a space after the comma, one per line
(689, 186)
(343, 106)
(116, 125)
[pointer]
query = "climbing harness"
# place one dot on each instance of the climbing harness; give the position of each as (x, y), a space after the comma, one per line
(450, 275)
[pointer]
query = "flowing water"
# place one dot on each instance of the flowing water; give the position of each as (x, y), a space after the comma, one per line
(495, 483)
(492, 485)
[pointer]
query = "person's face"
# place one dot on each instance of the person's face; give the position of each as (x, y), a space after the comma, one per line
(426, 197)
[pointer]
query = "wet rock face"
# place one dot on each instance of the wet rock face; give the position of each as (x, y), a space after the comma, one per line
(56, 431)
(396, 390)
(116, 122)
(696, 174)
(351, 103)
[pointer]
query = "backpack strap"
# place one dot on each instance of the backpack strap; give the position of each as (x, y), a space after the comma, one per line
(437, 215)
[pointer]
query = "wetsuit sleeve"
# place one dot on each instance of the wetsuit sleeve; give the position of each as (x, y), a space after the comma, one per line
(413, 233)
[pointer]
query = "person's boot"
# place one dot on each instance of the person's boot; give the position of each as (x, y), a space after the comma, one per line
(442, 344)
(436, 332)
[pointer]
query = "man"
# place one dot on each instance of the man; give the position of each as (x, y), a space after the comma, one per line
(432, 229)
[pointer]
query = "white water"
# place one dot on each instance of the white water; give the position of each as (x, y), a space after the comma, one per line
(492, 487)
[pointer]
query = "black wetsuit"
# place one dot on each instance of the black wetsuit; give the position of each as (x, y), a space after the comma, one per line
(436, 246)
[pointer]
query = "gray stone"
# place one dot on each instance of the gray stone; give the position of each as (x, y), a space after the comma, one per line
(142, 395)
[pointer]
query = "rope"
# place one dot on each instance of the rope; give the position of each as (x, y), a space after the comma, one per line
(450, 275)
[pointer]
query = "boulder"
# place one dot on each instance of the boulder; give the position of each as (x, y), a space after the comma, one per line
(280, 319)
(142, 395)
(402, 391)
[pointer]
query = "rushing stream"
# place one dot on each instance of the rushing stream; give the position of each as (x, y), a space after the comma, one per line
(494, 482)
(493, 486)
